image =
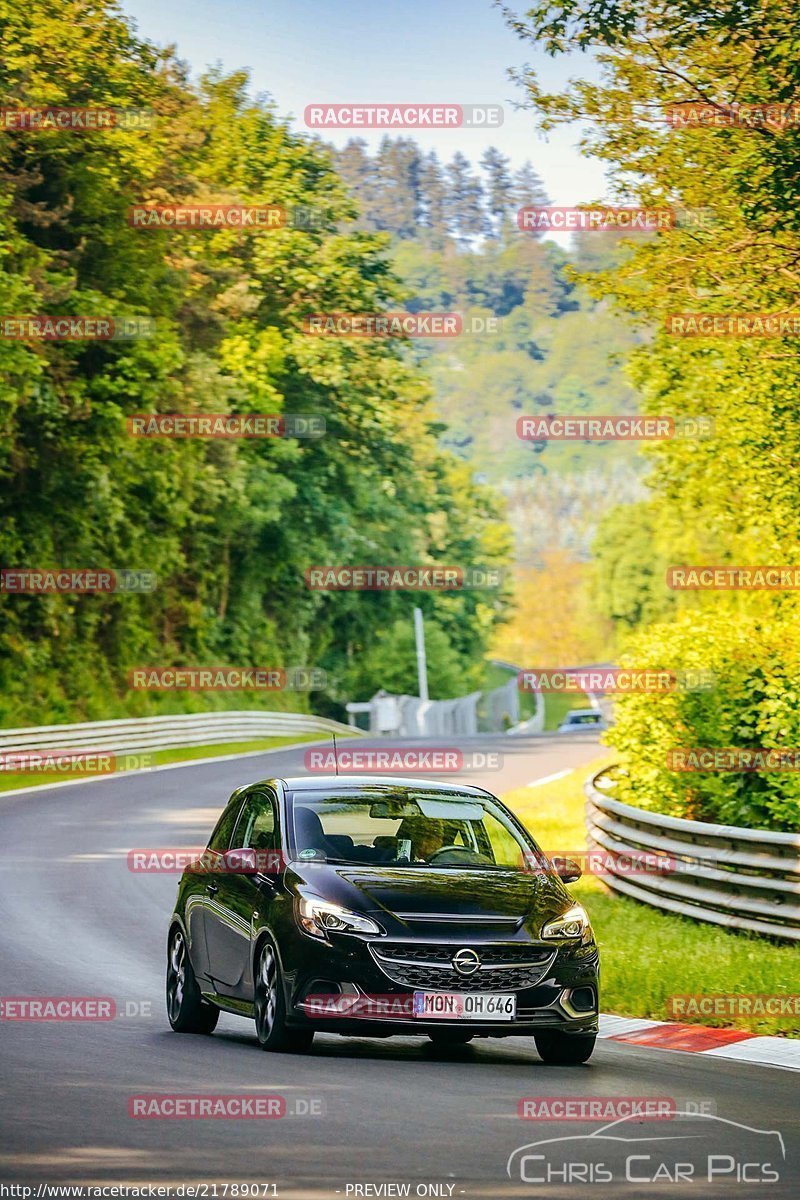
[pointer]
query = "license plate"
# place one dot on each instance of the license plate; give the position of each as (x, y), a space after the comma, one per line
(464, 1006)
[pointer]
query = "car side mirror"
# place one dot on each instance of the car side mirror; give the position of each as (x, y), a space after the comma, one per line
(239, 862)
(567, 870)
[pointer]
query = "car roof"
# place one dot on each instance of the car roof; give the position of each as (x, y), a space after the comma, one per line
(584, 712)
(305, 783)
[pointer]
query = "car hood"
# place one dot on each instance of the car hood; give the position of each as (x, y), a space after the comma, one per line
(416, 897)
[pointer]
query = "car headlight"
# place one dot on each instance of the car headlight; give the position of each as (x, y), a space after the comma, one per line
(572, 924)
(320, 917)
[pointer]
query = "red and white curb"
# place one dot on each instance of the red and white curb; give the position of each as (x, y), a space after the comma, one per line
(701, 1039)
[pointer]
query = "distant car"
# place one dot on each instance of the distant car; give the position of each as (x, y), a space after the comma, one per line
(582, 719)
(381, 906)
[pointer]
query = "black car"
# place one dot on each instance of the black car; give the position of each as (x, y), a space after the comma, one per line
(376, 907)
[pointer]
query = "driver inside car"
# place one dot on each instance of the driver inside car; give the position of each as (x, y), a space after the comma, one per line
(427, 835)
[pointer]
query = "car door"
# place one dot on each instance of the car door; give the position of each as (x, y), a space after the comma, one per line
(237, 898)
(201, 885)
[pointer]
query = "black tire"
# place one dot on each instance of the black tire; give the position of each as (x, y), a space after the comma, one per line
(270, 1007)
(564, 1049)
(186, 1009)
(450, 1037)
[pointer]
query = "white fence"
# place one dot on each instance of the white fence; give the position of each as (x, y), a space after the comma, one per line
(159, 733)
(495, 711)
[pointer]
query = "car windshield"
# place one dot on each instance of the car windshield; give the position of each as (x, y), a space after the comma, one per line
(404, 828)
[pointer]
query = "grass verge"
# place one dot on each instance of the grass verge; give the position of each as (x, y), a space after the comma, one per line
(647, 955)
(558, 704)
(157, 758)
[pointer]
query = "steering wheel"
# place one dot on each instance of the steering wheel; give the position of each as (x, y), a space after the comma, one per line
(474, 855)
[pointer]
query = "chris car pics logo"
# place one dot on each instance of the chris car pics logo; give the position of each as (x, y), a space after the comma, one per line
(697, 1149)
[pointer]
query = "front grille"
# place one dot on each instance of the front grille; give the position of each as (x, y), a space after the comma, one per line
(428, 967)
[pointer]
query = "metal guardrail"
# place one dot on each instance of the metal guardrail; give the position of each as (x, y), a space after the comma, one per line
(413, 717)
(745, 879)
(159, 733)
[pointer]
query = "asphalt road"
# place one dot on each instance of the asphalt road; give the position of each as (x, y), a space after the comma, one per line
(361, 1114)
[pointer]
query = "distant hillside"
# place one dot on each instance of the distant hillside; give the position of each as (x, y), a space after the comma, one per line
(553, 350)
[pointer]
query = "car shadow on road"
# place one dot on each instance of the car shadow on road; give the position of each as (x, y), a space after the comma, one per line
(483, 1052)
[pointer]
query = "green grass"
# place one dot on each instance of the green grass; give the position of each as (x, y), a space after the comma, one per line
(647, 955)
(558, 704)
(156, 758)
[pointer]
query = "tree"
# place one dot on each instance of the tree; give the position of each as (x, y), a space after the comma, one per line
(527, 187)
(228, 527)
(392, 660)
(499, 190)
(466, 218)
(732, 181)
(398, 206)
(433, 192)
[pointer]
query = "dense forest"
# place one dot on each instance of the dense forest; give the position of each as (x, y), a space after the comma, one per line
(228, 527)
(420, 462)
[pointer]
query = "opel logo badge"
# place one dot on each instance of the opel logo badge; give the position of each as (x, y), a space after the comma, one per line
(466, 962)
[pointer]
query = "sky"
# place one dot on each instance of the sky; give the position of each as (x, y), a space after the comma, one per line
(362, 51)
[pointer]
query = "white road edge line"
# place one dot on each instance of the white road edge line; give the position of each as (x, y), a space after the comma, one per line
(550, 778)
(190, 762)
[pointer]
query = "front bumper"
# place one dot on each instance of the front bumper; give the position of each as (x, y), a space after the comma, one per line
(342, 987)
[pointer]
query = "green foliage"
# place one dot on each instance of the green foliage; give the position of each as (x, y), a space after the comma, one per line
(228, 527)
(734, 497)
(754, 702)
(393, 661)
(631, 566)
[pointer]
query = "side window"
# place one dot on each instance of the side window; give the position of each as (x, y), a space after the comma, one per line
(220, 838)
(256, 827)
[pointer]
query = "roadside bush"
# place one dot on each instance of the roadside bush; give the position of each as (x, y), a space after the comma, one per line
(753, 702)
